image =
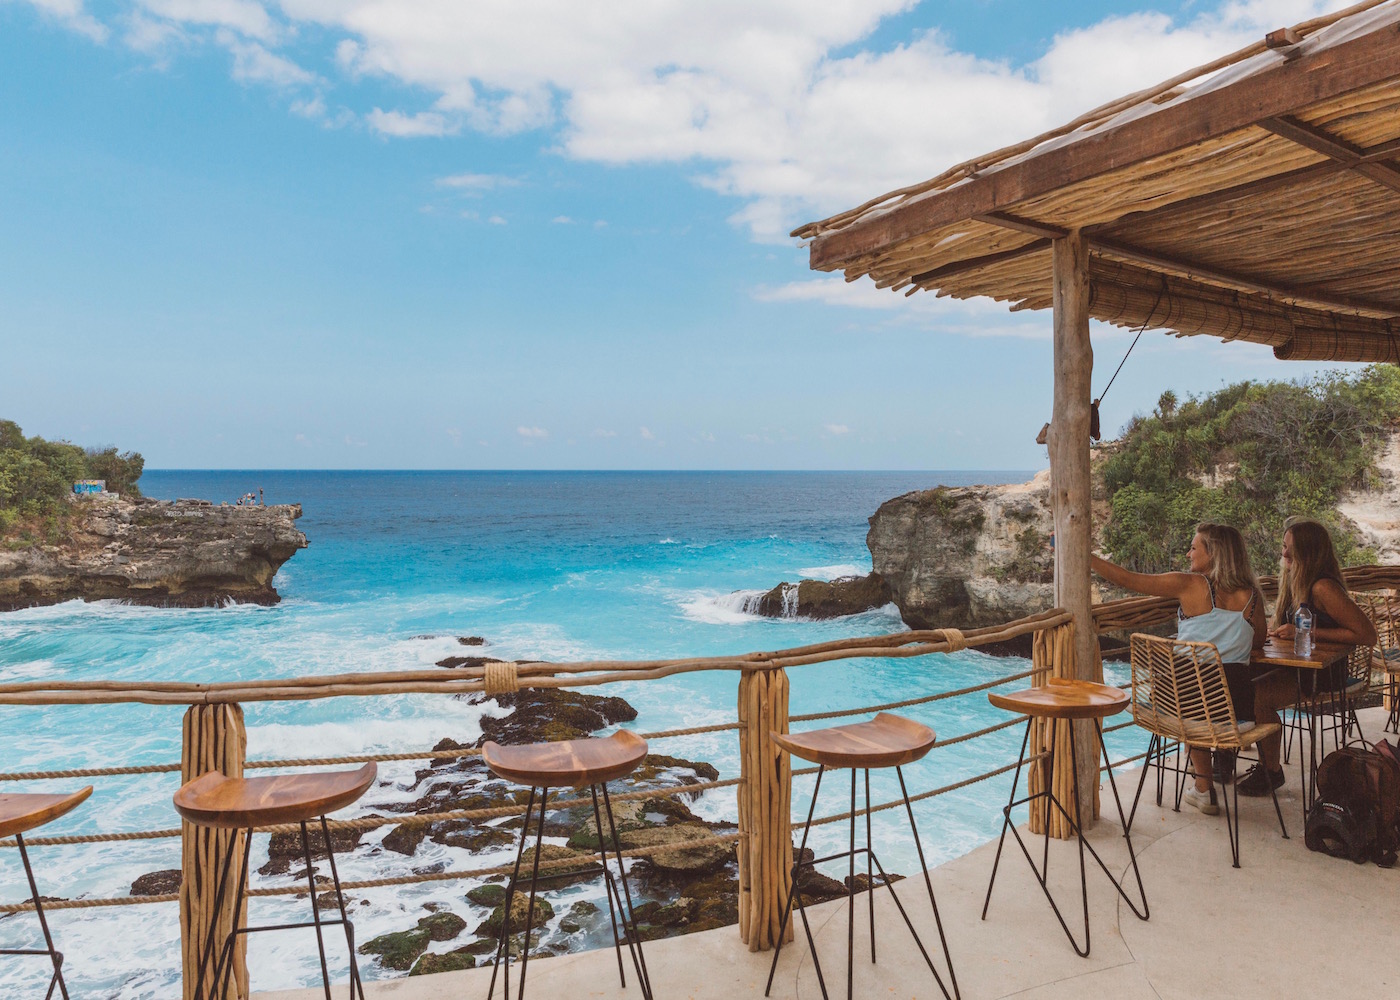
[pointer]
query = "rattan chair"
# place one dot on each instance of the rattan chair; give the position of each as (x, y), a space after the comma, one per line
(1338, 708)
(1180, 696)
(1383, 608)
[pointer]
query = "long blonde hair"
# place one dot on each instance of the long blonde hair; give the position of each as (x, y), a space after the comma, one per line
(1314, 559)
(1229, 571)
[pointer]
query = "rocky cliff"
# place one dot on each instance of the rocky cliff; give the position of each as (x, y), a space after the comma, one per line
(177, 553)
(966, 556)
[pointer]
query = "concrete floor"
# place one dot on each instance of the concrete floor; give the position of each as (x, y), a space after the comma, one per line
(1289, 922)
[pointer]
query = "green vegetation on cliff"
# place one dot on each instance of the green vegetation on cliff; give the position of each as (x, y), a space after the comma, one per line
(37, 476)
(1251, 455)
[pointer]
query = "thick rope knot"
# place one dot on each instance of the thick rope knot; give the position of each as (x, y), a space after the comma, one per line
(954, 638)
(501, 678)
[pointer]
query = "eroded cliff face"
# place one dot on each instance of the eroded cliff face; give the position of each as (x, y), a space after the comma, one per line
(966, 556)
(174, 553)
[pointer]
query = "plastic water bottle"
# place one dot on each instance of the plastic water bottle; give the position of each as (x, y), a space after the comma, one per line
(1303, 631)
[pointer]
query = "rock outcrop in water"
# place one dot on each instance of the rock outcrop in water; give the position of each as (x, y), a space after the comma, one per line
(848, 595)
(170, 553)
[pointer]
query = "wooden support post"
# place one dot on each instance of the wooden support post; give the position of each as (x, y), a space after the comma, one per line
(765, 809)
(1071, 489)
(214, 740)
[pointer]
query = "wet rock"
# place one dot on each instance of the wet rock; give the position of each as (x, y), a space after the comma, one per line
(161, 883)
(691, 860)
(471, 640)
(656, 762)
(548, 714)
(400, 949)
(483, 946)
(519, 907)
(849, 595)
(285, 849)
(452, 961)
(861, 884)
(558, 876)
(583, 908)
(404, 839)
(472, 836)
(454, 662)
(487, 895)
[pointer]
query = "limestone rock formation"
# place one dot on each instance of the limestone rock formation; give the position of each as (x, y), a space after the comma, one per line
(172, 553)
(966, 556)
(848, 595)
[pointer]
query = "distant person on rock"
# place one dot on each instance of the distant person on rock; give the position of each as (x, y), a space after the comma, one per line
(1221, 604)
(1310, 576)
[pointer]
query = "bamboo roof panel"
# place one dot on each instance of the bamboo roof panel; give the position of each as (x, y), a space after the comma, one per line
(1255, 198)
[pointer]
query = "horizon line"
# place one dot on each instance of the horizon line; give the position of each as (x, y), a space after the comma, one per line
(595, 471)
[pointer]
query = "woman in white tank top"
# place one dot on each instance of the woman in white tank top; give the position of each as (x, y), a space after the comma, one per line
(1220, 603)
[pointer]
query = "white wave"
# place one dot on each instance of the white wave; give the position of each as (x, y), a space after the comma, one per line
(832, 572)
(280, 740)
(734, 608)
(668, 540)
(27, 671)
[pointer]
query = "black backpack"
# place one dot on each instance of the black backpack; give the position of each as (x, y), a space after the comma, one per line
(1357, 814)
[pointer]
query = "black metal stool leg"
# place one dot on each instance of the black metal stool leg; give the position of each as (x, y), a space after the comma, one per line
(1142, 779)
(502, 948)
(869, 874)
(316, 910)
(355, 982)
(1006, 817)
(55, 956)
(795, 894)
(639, 959)
(608, 887)
(530, 907)
(928, 883)
(1127, 827)
(224, 970)
(212, 938)
(851, 899)
(1079, 832)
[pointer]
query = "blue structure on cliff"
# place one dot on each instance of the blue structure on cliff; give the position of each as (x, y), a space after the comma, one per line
(85, 487)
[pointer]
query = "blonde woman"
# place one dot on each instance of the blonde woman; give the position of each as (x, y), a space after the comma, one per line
(1220, 604)
(1309, 575)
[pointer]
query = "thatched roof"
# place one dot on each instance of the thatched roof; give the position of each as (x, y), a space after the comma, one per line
(1256, 198)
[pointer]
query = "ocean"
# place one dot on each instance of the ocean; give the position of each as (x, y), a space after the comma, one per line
(543, 565)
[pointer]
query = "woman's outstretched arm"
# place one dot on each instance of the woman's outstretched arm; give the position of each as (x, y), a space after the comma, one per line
(1154, 584)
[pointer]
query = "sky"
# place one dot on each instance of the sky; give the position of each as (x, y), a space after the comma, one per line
(538, 233)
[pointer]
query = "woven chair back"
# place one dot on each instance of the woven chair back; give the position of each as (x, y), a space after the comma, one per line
(1382, 608)
(1179, 692)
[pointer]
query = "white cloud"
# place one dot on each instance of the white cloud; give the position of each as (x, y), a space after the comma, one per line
(784, 105)
(562, 220)
(529, 433)
(601, 433)
(416, 126)
(73, 14)
(477, 183)
(497, 220)
(837, 429)
(647, 435)
(253, 63)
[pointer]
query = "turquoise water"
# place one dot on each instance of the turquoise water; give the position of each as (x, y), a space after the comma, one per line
(544, 566)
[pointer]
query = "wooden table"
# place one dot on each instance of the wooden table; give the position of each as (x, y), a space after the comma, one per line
(1325, 655)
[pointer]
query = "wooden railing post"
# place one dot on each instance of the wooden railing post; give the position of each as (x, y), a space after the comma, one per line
(765, 809)
(1053, 655)
(214, 740)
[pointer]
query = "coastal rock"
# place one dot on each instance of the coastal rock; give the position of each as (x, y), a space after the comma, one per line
(285, 849)
(161, 883)
(849, 595)
(452, 961)
(169, 553)
(547, 714)
(400, 949)
(1375, 512)
(966, 556)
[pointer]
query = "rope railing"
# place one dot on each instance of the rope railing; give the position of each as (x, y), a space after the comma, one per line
(923, 700)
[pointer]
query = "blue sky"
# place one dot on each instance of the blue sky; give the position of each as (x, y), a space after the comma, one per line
(428, 234)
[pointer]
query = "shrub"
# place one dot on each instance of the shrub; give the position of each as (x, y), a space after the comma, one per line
(37, 476)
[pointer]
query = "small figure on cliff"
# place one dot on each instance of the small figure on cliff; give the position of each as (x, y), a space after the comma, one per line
(260, 498)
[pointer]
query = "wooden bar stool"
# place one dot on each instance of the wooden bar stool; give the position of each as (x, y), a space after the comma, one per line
(1068, 700)
(213, 800)
(885, 741)
(569, 764)
(26, 811)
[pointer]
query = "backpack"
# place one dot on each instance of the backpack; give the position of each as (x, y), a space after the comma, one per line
(1357, 814)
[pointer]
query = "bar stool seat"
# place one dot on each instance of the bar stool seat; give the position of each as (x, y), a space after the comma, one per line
(238, 803)
(567, 763)
(586, 763)
(1062, 698)
(1063, 701)
(219, 802)
(20, 812)
(885, 741)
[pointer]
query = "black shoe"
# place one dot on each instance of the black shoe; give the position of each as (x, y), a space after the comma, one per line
(1257, 781)
(1223, 764)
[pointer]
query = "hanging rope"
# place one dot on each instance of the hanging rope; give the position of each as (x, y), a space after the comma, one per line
(1094, 431)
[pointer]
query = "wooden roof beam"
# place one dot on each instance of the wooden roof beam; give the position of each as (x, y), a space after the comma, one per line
(1319, 140)
(1312, 77)
(977, 263)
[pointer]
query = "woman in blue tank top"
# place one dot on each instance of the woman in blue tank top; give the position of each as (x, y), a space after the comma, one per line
(1220, 603)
